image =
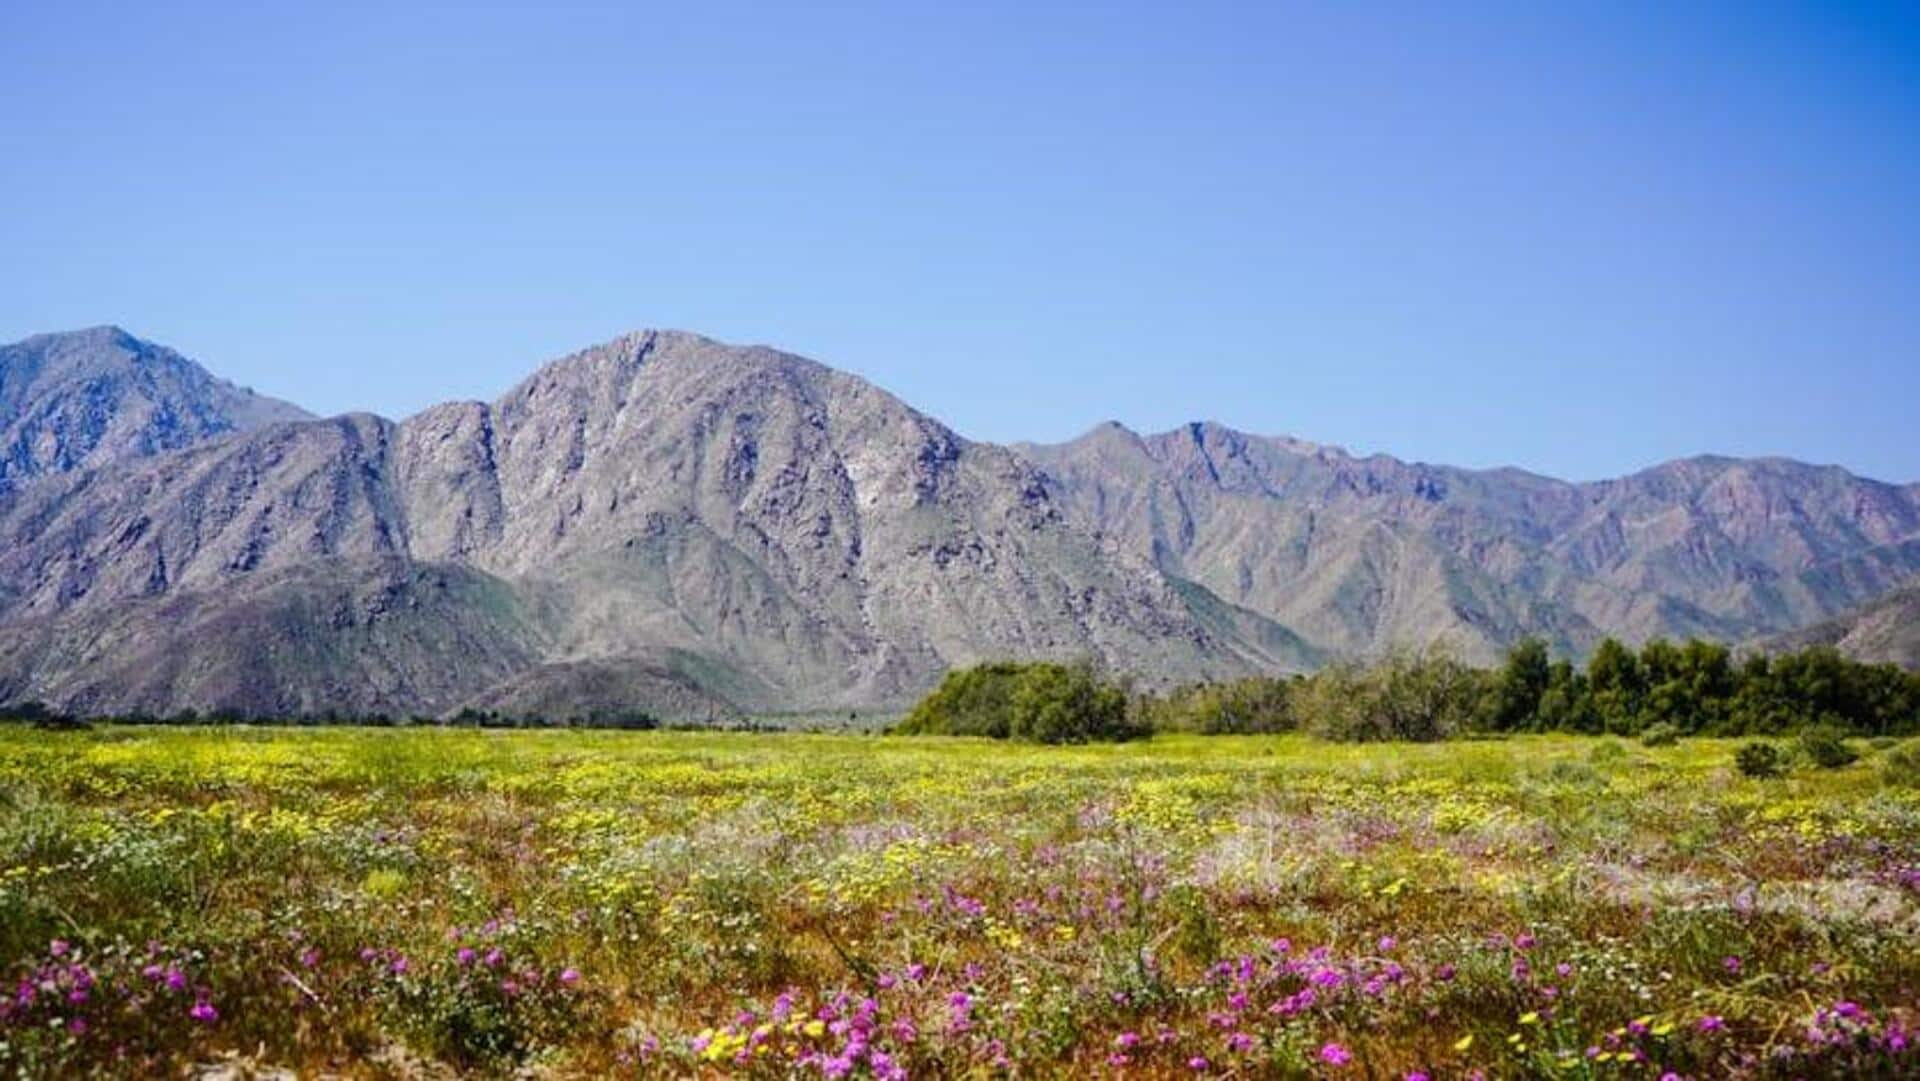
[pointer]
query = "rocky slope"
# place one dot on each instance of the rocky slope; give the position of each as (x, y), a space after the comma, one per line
(1357, 554)
(667, 523)
(1884, 631)
(70, 401)
(748, 523)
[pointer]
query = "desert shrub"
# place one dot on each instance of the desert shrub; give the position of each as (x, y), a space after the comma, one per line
(1256, 704)
(975, 701)
(1573, 774)
(1759, 760)
(1416, 696)
(1901, 765)
(42, 716)
(1660, 734)
(1825, 745)
(1608, 751)
(1041, 702)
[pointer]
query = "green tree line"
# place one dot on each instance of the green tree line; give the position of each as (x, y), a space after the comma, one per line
(1662, 690)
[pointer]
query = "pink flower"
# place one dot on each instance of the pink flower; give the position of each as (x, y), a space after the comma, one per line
(1732, 964)
(203, 1012)
(1198, 1064)
(1712, 1023)
(1335, 1055)
(569, 976)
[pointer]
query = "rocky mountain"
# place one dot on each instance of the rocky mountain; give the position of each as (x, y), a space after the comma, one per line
(1883, 631)
(70, 401)
(751, 529)
(671, 524)
(1357, 554)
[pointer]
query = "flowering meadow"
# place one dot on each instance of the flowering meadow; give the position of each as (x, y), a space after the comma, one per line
(562, 903)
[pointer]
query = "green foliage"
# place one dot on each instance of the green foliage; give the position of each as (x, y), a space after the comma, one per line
(1759, 760)
(1900, 766)
(975, 701)
(1617, 684)
(1660, 734)
(1663, 693)
(1825, 745)
(1039, 702)
(41, 716)
(1418, 697)
(1608, 752)
(1250, 706)
(1518, 688)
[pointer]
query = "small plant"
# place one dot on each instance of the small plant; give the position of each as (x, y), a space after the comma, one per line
(1608, 751)
(1901, 765)
(1574, 774)
(1826, 746)
(1661, 734)
(1759, 760)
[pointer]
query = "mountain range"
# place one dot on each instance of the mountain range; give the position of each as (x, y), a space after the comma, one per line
(670, 524)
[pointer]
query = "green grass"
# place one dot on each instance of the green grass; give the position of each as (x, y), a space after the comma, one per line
(669, 903)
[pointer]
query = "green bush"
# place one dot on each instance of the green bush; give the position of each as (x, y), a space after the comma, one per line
(1825, 745)
(1661, 734)
(1574, 774)
(1759, 760)
(1608, 751)
(1901, 765)
(1253, 705)
(1421, 697)
(1040, 702)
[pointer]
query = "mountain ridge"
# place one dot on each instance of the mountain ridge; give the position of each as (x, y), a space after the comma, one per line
(710, 528)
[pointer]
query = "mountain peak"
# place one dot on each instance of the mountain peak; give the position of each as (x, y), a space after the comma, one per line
(83, 398)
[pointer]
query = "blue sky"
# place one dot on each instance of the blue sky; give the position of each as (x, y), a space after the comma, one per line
(1576, 238)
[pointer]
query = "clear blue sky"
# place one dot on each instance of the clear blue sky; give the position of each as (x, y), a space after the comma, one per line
(1575, 238)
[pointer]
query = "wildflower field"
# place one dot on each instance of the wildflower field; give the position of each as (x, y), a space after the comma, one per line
(565, 903)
